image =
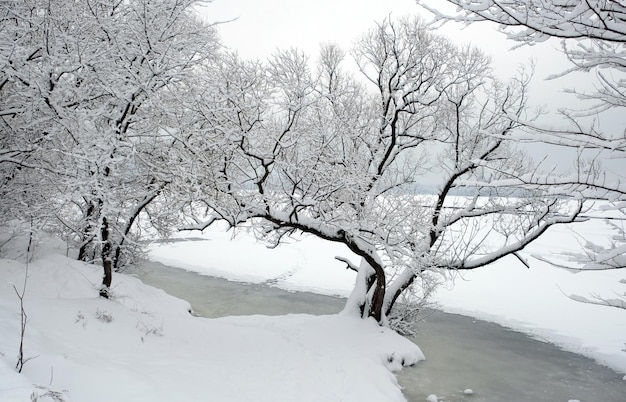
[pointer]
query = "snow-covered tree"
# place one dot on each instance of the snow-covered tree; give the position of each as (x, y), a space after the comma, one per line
(593, 37)
(86, 95)
(322, 153)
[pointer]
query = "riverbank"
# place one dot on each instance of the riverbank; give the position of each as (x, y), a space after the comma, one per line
(533, 301)
(462, 353)
(143, 345)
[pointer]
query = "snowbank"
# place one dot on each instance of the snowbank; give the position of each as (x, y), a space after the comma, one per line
(143, 345)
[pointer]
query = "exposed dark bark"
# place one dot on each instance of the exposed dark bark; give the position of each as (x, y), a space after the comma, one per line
(378, 298)
(106, 259)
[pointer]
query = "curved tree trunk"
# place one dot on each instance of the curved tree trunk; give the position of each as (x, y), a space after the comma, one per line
(368, 295)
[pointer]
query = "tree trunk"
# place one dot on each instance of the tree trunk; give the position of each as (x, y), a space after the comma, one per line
(362, 299)
(378, 298)
(86, 251)
(106, 259)
(357, 302)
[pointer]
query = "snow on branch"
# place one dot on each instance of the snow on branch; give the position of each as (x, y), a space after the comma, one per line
(349, 264)
(596, 257)
(542, 224)
(593, 36)
(539, 19)
(619, 302)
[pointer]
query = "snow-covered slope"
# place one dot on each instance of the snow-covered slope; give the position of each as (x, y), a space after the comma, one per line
(143, 345)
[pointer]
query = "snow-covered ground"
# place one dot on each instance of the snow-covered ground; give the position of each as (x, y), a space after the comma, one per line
(532, 300)
(143, 345)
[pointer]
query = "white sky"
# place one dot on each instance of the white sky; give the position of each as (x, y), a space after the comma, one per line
(263, 26)
(259, 27)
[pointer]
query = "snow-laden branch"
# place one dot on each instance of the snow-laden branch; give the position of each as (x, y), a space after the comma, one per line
(593, 37)
(540, 19)
(542, 224)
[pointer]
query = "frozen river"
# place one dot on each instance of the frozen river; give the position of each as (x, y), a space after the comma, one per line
(462, 353)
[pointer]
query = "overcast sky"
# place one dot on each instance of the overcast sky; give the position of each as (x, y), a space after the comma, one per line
(259, 27)
(263, 26)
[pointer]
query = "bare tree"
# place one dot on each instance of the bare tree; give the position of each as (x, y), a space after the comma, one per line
(325, 155)
(593, 37)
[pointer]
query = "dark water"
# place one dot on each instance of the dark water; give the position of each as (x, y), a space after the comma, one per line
(462, 353)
